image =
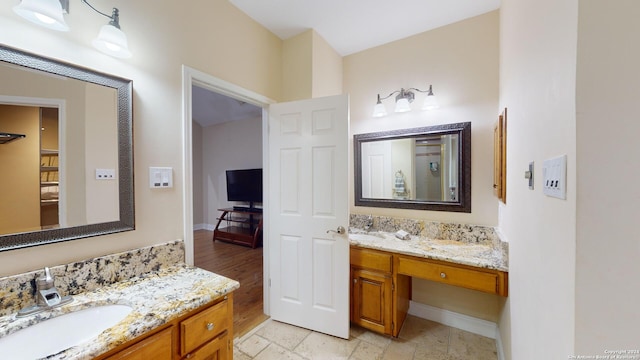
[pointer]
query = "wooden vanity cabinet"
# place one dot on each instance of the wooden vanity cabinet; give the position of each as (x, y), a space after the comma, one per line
(203, 334)
(157, 347)
(376, 300)
(381, 285)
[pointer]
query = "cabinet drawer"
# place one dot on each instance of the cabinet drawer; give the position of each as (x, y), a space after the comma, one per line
(203, 326)
(370, 259)
(458, 276)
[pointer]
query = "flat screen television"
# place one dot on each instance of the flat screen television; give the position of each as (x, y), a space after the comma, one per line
(245, 186)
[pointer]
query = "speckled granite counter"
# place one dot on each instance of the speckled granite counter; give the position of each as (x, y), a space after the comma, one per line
(157, 297)
(471, 245)
(484, 255)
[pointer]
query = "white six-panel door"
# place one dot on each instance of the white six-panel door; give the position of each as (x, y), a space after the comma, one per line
(309, 264)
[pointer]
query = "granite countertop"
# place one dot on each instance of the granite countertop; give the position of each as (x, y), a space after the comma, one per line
(156, 298)
(484, 254)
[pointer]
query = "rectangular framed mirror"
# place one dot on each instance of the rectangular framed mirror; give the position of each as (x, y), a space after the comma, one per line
(426, 168)
(69, 125)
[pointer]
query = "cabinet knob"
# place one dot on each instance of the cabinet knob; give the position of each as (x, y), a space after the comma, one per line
(443, 275)
(210, 326)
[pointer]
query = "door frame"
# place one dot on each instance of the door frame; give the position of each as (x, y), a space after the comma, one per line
(190, 77)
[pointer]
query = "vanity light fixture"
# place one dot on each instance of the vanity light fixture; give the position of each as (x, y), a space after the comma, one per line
(404, 98)
(111, 40)
(49, 13)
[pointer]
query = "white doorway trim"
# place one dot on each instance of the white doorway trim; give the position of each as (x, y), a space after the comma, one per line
(192, 77)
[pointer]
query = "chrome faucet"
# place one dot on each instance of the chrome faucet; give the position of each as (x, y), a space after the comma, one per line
(369, 224)
(47, 296)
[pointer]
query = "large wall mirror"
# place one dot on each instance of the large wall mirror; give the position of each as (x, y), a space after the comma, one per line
(66, 151)
(427, 168)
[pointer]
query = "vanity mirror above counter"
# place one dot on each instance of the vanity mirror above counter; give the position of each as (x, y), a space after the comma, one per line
(426, 168)
(84, 170)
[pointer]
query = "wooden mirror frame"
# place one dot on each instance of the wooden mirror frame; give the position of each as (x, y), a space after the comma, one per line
(463, 204)
(124, 89)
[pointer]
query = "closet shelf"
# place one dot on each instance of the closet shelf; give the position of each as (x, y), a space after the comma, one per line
(7, 137)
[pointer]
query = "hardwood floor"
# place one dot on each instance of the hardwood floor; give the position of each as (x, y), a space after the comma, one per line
(239, 263)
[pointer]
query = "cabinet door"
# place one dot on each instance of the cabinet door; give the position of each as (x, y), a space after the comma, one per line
(372, 300)
(216, 349)
(157, 347)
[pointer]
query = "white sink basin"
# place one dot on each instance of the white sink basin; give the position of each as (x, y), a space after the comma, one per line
(366, 237)
(62, 332)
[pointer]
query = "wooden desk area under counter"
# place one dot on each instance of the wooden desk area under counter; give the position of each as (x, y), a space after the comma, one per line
(381, 272)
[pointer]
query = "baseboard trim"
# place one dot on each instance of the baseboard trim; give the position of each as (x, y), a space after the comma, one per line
(208, 227)
(454, 319)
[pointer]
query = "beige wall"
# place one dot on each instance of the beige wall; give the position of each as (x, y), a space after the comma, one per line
(101, 126)
(608, 196)
(227, 146)
(537, 85)
(297, 67)
(198, 36)
(461, 61)
(311, 68)
(326, 69)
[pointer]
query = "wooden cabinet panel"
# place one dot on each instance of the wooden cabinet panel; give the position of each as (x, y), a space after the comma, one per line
(500, 157)
(157, 347)
(216, 349)
(372, 300)
(371, 259)
(203, 326)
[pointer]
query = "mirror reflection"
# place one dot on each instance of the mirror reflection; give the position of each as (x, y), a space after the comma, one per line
(66, 150)
(421, 168)
(52, 182)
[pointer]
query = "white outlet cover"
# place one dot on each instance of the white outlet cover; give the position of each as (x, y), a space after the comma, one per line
(554, 177)
(105, 174)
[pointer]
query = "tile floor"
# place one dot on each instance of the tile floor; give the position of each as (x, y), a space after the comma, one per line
(418, 339)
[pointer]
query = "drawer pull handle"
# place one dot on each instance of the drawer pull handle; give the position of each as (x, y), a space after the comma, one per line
(210, 326)
(443, 275)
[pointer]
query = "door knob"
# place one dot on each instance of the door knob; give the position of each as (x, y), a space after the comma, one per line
(339, 230)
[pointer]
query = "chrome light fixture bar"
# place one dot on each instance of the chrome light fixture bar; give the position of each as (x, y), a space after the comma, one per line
(50, 14)
(404, 98)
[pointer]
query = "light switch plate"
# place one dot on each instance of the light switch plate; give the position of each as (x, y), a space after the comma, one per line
(160, 177)
(554, 177)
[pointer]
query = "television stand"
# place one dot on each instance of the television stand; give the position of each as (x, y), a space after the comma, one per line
(243, 227)
(247, 209)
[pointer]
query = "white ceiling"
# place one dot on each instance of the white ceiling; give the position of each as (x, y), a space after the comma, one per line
(210, 108)
(349, 26)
